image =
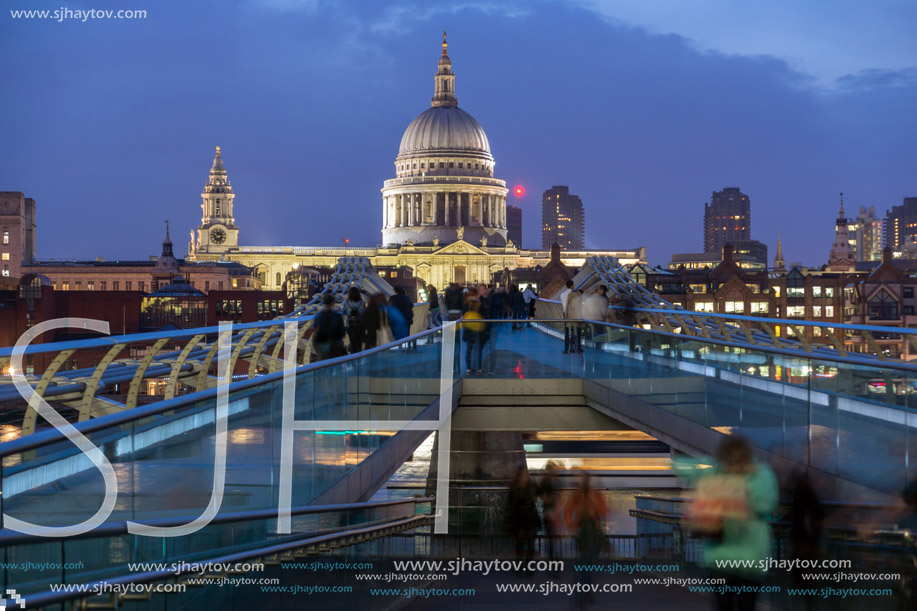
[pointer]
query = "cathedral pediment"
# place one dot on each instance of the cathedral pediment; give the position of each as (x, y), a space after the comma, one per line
(459, 248)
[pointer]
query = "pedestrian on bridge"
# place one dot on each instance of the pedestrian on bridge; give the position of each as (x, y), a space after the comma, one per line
(573, 314)
(595, 308)
(585, 513)
(731, 508)
(353, 310)
(453, 298)
(329, 331)
(402, 303)
(522, 514)
(376, 328)
(436, 315)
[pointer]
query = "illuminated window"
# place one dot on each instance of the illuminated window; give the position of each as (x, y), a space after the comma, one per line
(734, 307)
(829, 292)
(816, 311)
(795, 311)
(703, 306)
(699, 288)
(6, 256)
(795, 291)
(65, 286)
(817, 331)
(760, 307)
(829, 311)
(816, 291)
(6, 237)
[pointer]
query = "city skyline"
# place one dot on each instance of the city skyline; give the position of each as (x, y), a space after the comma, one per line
(305, 146)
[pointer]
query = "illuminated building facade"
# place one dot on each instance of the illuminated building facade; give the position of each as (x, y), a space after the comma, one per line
(444, 214)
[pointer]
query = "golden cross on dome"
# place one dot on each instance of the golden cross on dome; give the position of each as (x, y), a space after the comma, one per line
(445, 44)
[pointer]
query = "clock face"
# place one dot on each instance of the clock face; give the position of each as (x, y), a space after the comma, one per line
(218, 236)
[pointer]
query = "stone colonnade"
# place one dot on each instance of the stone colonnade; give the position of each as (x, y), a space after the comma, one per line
(414, 208)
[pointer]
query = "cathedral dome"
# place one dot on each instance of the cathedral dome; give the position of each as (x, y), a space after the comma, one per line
(446, 129)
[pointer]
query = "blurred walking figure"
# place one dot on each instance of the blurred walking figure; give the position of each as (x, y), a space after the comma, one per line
(436, 316)
(562, 298)
(473, 329)
(807, 517)
(353, 311)
(584, 515)
(595, 307)
(401, 329)
(497, 297)
(377, 330)
(548, 493)
(517, 307)
(453, 300)
(730, 509)
(573, 314)
(329, 331)
(522, 514)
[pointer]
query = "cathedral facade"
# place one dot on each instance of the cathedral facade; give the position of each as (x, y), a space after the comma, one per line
(443, 213)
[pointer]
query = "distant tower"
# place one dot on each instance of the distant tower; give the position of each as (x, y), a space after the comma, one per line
(841, 257)
(779, 262)
(167, 266)
(217, 232)
(563, 219)
(727, 218)
(514, 224)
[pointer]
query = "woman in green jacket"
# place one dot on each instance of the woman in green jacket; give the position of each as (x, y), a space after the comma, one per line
(738, 549)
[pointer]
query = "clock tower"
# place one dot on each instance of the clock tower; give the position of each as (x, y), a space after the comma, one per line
(218, 232)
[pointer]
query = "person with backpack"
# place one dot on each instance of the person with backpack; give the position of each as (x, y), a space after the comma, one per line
(353, 311)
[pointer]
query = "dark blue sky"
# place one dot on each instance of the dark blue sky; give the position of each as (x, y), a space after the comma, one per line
(643, 109)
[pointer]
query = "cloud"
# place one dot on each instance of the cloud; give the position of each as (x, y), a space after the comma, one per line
(878, 79)
(395, 19)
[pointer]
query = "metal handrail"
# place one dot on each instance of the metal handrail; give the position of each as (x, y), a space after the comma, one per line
(107, 341)
(110, 529)
(49, 598)
(779, 321)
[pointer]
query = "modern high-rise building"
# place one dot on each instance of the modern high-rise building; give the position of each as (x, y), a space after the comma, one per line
(514, 224)
(865, 233)
(901, 223)
(562, 219)
(727, 218)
